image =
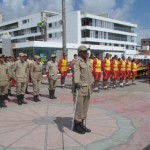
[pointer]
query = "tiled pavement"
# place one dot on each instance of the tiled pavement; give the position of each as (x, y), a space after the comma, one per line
(119, 119)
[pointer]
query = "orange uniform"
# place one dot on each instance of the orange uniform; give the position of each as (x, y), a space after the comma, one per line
(122, 69)
(106, 68)
(128, 69)
(97, 65)
(63, 66)
(134, 68)
(115, 69)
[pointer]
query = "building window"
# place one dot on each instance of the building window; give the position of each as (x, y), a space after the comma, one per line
(50, 25)
(85, 33)
(50, 35)
(25, 21)
(96, 34)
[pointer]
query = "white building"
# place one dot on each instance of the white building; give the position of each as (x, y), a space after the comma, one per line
(100, 33)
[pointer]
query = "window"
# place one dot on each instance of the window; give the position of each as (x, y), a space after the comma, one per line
(50, 25)
(25, 21)
(96, 34)
(50, 35)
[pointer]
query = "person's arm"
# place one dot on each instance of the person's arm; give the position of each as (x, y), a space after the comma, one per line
(94, 65)
(77, 72)
(47, 70)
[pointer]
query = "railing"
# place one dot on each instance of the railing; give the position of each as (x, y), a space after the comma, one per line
(123, 29)
(117, 38)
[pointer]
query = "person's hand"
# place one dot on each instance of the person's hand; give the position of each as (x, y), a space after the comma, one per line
(77, 86)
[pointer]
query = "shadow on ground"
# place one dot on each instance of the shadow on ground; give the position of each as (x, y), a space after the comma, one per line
(147, 148)
(63, 122)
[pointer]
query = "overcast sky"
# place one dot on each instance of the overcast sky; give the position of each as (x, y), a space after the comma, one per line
(135, 11)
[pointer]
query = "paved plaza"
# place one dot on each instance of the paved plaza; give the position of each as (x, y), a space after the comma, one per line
(119, 119)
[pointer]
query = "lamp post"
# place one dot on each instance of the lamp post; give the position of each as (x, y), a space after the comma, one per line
(64, 25)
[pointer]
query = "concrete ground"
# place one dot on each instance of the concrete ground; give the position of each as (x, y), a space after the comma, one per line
(119, 120)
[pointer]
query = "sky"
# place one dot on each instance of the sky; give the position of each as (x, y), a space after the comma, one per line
(135, 11)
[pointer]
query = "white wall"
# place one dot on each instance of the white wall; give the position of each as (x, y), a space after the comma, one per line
(71, 53)
(73, 27)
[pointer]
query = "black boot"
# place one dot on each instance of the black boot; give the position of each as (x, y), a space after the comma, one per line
(9, 92)
(84, 127)
(7, 98)
(77, 128)
(19, 100)
(50, 94)
(3, 101)
(53, 94)
(34, 98)
(22, 99)
(37, 97)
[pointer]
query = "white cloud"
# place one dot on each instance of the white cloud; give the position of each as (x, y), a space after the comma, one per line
(124, 11)
(97, 6)
(108, 6)
(16, 8)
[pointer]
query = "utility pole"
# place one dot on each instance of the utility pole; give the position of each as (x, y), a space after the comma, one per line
(64, 25)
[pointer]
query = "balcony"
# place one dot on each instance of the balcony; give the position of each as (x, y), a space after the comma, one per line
(123, 29)
(117, 38)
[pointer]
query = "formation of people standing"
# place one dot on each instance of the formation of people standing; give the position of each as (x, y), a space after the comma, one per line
(113, 69)
(87, 73)
(20, 71)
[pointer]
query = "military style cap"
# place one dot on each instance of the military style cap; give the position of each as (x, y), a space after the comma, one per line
(21, 54)
(82, 48)
(37, 57)
(25, 55)
(1, 55)
(53, 55)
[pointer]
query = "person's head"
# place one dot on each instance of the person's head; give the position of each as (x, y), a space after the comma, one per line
(75, 56)
(25, 57)
(37, 58)
(98, 55)
(53, 57)
(1, 58)
(91, 56)
(64, 55)
(107, 55)
(123, 57)
(82, 50)
(21, 56)
(116, 57)
(133, 60)
(129, 58)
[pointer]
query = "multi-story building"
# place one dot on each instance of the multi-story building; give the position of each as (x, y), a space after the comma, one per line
(100, 33)
(145, 44)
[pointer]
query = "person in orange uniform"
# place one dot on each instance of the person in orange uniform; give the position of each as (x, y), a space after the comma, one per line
(63, 69)
(122, 70)
(106, 70)
(115, 70)
(134, 68)
(128, 70)
(97, 65)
